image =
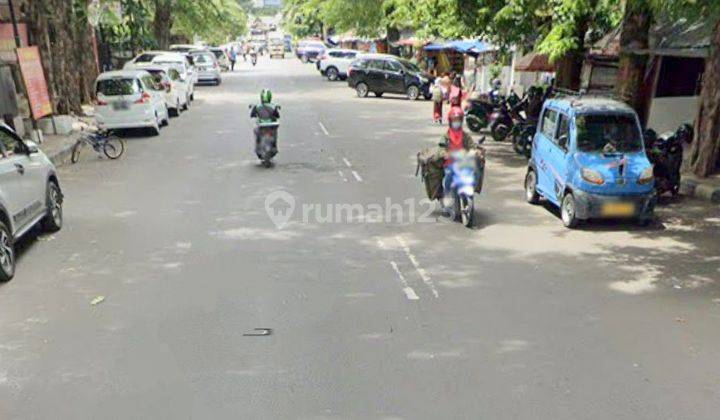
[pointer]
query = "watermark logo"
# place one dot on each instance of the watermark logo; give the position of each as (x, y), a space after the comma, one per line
(280, 206)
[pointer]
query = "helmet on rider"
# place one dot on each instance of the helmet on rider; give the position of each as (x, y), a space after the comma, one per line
(265, 96)
(456, 118)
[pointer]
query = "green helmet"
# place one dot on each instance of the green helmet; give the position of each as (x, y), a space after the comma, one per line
(266, 96)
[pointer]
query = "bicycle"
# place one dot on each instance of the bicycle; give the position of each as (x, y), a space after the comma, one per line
(112, 146)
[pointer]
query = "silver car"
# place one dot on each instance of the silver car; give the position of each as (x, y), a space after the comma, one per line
(208, 69)
(29, 195)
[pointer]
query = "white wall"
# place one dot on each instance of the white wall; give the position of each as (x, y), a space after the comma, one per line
(666, 114)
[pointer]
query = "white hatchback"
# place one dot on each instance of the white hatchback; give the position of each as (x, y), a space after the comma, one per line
(334, 63)
(130, 99)
(29, 195)
(182, 62)
(177, 97)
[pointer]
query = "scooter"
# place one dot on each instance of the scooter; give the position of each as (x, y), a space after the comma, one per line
(478, 113)
(522, 137)
(266, 140)
(666, 155)
(467, 171)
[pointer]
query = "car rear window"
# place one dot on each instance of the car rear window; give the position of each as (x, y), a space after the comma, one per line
(145, 58)
(202, 59)
(360, 63)
(218, 53)
(117, 87)
(158, 75)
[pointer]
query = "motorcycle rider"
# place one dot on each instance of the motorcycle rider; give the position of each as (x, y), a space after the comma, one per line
(455, 139)
(266, 112)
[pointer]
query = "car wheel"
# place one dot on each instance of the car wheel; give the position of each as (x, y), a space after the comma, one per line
(192, 96)
(413, 92)
(54, 218)
(165, 122)
(379, 94)
(531, 194)
(568, 211)
(218, 81)
(362, 90)
(332, 74)
(7, 253)
(304, 59)
(175, 112)
(186, 106)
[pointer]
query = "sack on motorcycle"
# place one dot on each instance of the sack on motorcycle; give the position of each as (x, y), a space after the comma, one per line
(431, 162)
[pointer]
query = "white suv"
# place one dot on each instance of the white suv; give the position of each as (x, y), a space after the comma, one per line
(29, 194)
(334, 63)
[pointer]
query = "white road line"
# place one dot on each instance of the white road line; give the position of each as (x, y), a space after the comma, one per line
(342, 175)
(421, 271)
(347, 163)
(357, 176)
(323, 128)
(409, 292)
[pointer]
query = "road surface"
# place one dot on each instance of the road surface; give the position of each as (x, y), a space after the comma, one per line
(373, 313)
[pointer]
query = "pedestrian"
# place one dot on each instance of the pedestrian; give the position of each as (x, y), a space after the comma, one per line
(437, 97)
(457, 94)
(233, 58)
(244, 51)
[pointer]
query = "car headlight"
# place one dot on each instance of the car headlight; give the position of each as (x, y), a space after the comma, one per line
(647, 176)
(592, 176)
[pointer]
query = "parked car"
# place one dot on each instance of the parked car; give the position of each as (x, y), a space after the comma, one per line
(334, 63)
(589, 160)
(184, 47)
(222, 58)
(29, 195)
(381, 73)
(176, 92)
(208, 69)
(276, 48)
(130, 99)
(309, 50)
(182, 62)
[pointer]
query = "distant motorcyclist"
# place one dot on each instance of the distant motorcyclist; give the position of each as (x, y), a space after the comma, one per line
(266, 111)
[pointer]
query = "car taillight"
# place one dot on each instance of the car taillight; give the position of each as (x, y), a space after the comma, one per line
(100, 102)
(145, 98)
(349, 72)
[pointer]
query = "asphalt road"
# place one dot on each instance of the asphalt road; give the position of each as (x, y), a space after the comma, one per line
(371, 316)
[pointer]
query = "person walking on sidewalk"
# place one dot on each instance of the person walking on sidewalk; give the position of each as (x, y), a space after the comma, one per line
(437, 97)
(233, 58)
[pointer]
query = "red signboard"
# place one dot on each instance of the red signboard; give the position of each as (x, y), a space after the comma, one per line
(7, 36)
(32, 72)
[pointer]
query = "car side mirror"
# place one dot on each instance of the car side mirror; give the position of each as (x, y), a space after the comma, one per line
(562, 141)
(31, 147)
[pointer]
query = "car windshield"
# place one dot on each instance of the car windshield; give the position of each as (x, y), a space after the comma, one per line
(117, 87)
(608, 133)
(202, 59)
(410, 66)
(218, 53)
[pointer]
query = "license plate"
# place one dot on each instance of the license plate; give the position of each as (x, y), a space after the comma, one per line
(120, 105)
(618, 209)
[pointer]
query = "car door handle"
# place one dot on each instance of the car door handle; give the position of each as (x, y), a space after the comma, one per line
(20, 168)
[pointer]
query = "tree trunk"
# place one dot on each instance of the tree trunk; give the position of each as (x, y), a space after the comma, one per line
(162, 23)
(631, 72)
(568, 70)
(705, 150)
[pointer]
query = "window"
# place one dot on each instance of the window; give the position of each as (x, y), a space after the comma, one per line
(336, 54)
(549, 123)
(608, 133)
(680, 76)
(376, 64)
(9, 143)
(359, 64)
(117, 87)
(393, 66)
(350, 54)
(410, 66)
(158, 76)
(564, 128)
(145, 58)
(174, 74)
(150, 83)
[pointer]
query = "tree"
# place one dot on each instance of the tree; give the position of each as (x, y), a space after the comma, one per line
(634, 35)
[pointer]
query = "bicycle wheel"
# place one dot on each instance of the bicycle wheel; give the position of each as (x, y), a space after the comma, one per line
(76, 151)
(113, 147)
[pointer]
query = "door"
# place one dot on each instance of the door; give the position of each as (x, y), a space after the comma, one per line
(394, 77)
(543, 145)
(344, 63)
(557, 161)
(21, 180)
(375, 75)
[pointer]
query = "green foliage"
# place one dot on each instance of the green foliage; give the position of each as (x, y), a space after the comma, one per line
(215, 21)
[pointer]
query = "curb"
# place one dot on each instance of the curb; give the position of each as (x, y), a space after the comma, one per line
(698, 189)
(61, 157)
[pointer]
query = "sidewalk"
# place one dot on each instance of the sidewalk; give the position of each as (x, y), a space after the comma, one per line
(59, 148)
(707, 189)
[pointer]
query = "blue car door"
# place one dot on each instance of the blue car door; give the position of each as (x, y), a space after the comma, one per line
(542, 150)
(557, 158)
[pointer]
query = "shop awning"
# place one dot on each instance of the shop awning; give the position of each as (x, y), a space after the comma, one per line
(534, 62)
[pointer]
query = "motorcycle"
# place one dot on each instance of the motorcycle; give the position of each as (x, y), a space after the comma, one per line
(522, 137)
(253, 58)
(467, 171)
(501, 121)
(478, 113)
(266, 140)
(666, 155)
